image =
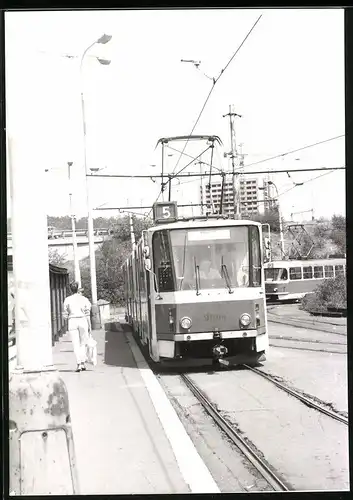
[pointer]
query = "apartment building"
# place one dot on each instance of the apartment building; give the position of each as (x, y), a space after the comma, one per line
(249, 196)
(267, 196)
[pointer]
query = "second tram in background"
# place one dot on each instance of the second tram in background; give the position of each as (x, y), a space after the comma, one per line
(292, 279)
(194, 288)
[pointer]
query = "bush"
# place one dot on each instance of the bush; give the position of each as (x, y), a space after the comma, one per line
(329, 293)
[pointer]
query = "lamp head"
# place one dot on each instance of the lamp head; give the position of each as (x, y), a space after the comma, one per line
(104, 39)
(104, 62)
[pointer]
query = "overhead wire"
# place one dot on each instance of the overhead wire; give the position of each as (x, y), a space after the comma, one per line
(170, 177)
(215, 80)
(294, 151)
(195, 158)
(305, 182)
(272, 157)
(205, 174)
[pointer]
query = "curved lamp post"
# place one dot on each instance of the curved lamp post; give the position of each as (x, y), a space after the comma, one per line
(96, 323)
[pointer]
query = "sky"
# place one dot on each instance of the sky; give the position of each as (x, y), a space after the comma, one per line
(287, 82)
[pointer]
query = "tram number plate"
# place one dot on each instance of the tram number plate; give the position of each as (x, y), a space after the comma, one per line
(164, 212)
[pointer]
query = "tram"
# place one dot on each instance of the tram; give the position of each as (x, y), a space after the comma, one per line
(292, 279)
(194, 288)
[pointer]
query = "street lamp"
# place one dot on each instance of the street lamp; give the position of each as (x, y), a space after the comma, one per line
(96, 323)
(73, 227)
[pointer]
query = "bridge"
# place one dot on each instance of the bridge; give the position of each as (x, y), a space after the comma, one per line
(67, 233)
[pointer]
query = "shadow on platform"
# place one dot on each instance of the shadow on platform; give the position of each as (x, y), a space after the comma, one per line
(116, 350)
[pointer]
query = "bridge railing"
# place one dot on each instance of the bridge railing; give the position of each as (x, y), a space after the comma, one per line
(67, 233)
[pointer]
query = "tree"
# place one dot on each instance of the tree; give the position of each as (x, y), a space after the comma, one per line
(56, 258)
(270, 217)
(110, 258)
(338, 223)
(121, 227)
(338, 233)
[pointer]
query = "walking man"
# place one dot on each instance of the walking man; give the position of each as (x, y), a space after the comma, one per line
(77, 310)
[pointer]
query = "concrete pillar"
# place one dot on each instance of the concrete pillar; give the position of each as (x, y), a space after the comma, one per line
(30, 260)
(42, 459)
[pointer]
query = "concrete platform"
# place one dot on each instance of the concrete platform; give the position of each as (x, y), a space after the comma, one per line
(121, 445)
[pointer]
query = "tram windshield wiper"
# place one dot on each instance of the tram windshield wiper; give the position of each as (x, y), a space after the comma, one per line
(225, 275)
(197, 277)
(184, 260)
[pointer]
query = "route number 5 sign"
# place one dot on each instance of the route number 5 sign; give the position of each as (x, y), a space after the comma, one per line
(165, 212)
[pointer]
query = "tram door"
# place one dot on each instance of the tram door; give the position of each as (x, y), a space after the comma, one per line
(149, 310)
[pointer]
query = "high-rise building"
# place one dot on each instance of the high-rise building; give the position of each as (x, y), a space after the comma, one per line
(268, 199)
(249, 196)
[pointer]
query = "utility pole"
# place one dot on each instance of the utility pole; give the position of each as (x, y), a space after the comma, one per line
(162, 174)
(200, 163)
(73, 227)
(240, 177)
(233, 154)
(39, 415)
(132, 232)
(271, 183)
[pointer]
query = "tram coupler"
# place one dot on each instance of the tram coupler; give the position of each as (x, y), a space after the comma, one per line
(218, 352)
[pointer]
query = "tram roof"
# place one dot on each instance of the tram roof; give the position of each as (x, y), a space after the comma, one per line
(303, 262)
(199, 223)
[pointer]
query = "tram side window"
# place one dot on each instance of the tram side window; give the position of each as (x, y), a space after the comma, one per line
(339, 270)
(255, 256)
(318, 272)
(295, 273)
(141, 270)
(307, 272)
(328, 271)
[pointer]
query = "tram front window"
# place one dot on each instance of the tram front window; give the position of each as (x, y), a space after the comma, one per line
(204, 258)
(276, 274)
(215, 257)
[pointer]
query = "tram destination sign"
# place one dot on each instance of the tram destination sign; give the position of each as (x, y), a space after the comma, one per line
(164, 212)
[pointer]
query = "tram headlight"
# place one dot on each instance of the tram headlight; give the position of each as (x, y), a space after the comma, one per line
(185, 323)
(245, 319)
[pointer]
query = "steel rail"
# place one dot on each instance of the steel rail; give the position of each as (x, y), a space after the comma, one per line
(296, 323)
(272, 479)
(307, 349)
(297, 395)
(309, 341)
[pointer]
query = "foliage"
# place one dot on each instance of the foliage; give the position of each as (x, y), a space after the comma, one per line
(109, 259)
(338, 223)
(121, 228)
(65, 222)
(55, 257)
(338, 232)
(329, 293)
(270, 217)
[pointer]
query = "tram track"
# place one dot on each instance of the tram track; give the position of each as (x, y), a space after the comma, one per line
(322, 327)
(273, 479)
(308, 341)
(304, 399)
(302, 348)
